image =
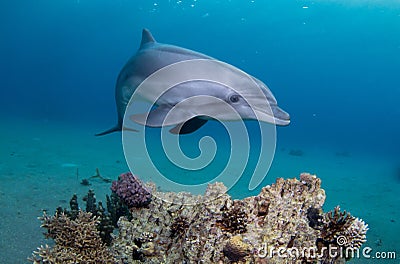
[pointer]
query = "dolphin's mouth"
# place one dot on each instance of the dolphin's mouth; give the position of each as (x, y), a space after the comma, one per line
(281, 117)
(278, 116)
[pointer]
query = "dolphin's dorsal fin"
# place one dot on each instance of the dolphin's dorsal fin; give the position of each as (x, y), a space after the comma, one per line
(146, 37)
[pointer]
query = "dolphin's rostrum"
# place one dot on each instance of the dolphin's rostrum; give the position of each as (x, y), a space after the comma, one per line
(153, 56)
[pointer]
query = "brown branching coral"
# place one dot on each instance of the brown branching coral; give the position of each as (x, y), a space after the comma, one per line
(343, 229)
(179, 226)
(76, 241)
(234, 217)
(105, 226)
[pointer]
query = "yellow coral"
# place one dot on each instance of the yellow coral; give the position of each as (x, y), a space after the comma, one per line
(235, 249)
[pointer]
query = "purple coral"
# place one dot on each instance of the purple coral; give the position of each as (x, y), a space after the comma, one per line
(131, 191)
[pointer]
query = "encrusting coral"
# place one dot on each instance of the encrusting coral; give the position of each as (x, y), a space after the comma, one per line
(76, 241)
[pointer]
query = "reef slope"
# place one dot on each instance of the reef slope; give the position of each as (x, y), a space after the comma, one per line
(283, 224)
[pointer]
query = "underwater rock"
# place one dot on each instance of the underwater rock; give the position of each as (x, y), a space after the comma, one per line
(76, 241)
(131, 191)
(217, 229)
(296, 152)
(85, 182)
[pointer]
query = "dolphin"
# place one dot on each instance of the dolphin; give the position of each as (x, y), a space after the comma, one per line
(153, 56)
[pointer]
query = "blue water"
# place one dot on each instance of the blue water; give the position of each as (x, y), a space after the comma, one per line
(332, 64)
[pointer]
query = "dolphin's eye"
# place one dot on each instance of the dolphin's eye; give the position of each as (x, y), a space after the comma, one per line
(234, 98)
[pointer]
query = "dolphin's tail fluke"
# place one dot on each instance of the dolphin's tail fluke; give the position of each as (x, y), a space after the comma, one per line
(111, 130)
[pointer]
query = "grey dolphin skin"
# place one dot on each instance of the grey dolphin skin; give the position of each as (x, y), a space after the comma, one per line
(153, 56)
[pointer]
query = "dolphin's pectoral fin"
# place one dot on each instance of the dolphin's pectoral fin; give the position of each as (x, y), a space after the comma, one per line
(124, 129)
(111, 130)
(189, 126)
(163, 115)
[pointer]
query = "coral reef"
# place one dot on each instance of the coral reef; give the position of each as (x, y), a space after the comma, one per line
(215, 228)
(131, 191)
(284, 223)
(76, 241)
(105, 224)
